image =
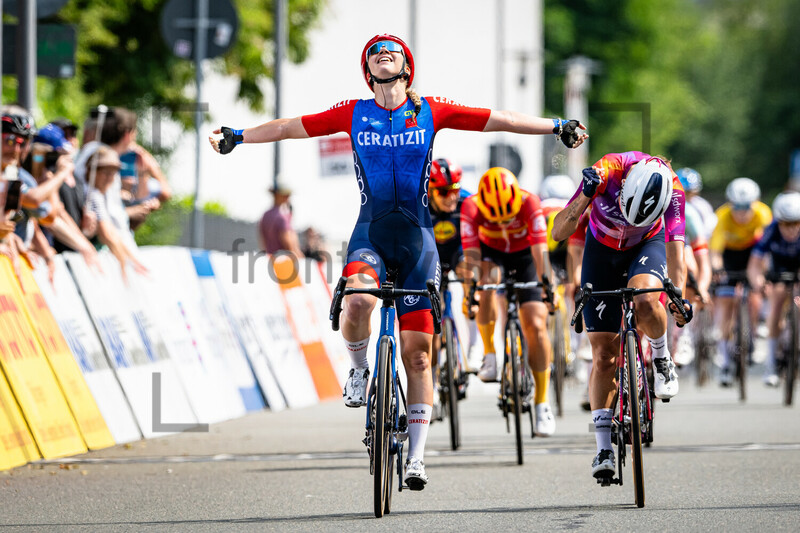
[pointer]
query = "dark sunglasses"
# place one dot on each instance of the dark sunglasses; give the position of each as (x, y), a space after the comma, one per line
(11, 139)
(450, 189)
(390, 46)
(741, 207)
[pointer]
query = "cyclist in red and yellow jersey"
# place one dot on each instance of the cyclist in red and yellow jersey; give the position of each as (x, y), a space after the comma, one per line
(503, 226)
(740, 224)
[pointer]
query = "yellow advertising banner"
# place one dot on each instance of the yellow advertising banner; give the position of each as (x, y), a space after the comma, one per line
(16, 444)
(30, 376)
(305, 328)
(84, 407)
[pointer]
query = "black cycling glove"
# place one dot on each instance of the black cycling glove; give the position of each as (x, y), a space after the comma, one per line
(230, 138)
(567, 131)
(590, 182)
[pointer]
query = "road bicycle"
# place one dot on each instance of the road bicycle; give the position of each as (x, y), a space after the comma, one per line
(742, 329)
(559, 338)
(788, 340)
(452, 365)
(387, 413)
(516, 382)
(632, 423)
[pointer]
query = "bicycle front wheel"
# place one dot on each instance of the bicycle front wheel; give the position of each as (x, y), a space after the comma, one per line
(637, 464)
(451, 367)
(792, 353)
(514, 341)
(742, 347)
(382, 477)
(559, 361)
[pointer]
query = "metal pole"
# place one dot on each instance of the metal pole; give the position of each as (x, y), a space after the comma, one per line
(1, 52)
(26, 54)
(576, 84)
(200, 36)
(500, 72)
(280, 47)
(537, 141)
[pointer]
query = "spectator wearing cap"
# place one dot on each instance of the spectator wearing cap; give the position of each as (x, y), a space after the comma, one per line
(104, 164)
(275, 228)
(70, 131)
(72, 192)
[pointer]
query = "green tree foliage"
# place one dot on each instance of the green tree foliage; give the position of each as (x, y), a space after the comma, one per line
(122, 59)
(719, 75)
(166, 225)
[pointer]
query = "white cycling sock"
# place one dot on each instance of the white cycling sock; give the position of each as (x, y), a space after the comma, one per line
(602, 428)
(659, 346)
(358, 353)
(772, 348)
(722, 347)
(473, 335)
(419, 418)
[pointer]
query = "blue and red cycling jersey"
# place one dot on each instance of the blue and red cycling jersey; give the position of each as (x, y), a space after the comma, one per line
(606, 221)
(785, 254)
(392, 155)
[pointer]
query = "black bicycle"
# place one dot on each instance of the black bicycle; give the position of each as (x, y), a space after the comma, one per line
(742, 328)
(788, 341)
(453, 373)
(632, 423)
(516, 382)
(387, 414)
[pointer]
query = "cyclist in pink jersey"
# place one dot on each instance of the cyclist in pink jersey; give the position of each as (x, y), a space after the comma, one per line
(635, 239)
(392, 138)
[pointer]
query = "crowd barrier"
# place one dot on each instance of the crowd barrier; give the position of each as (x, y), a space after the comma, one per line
(91, 357)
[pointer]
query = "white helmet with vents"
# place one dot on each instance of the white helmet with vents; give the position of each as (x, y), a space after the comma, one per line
(786, 207)
(646, 192)
(557, 186)
(742, 192)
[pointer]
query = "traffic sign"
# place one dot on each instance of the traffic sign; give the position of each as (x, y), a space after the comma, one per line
(179, 21)
(55, 50)
(44, 8)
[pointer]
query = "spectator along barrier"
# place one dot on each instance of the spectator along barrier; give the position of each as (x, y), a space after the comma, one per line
(91, 359)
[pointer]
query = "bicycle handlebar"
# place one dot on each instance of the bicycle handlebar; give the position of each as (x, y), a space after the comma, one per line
(584, 293)
(544, 284)
(387, 291)
(783, 277)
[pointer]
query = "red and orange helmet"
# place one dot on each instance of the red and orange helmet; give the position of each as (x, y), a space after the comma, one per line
(409, 59)
(499, 195)
(445, 175)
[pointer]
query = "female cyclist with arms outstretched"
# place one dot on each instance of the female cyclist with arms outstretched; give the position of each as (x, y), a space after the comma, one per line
(392, 139)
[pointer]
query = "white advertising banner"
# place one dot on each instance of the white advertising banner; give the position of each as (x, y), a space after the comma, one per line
(221, 333)
(136, 351)
(259, 294)
(68, 309)
(245, 327)
(165, 294)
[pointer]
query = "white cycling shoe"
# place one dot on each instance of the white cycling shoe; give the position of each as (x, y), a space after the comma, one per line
(415, 476)
(666, 379)
(545, 421)
(355, 388)
(488, 371)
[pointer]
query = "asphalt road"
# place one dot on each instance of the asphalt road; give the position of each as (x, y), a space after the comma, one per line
(716, 465)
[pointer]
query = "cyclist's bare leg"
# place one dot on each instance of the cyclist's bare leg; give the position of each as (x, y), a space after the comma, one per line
(533, 319)
(651, 317)
(602, 379)
(358, 308)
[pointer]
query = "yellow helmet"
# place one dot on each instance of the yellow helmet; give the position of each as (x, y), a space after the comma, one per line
(499, 195)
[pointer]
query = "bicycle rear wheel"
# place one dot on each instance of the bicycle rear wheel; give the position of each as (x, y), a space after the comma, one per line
(382, 477)
(514, 342)
(451, 367)
(742, 347)
(703, 346)
(634, 388)
(792, 353)
(559, 361)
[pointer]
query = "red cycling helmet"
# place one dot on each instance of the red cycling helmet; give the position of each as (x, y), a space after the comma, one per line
(444, 174)
(409, 59)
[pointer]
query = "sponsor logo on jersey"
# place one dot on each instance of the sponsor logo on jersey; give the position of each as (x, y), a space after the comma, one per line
(411, 122)
(442, 100)
(411, 299)
(373, 138)
(444, 231)
(368, 258)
